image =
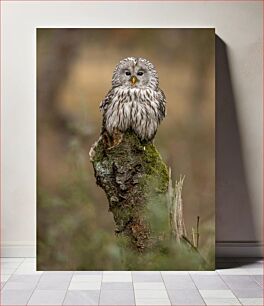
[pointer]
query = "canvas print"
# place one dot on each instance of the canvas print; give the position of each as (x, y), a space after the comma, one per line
(125, 149)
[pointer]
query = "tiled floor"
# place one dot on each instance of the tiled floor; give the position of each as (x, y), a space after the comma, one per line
(240, 285)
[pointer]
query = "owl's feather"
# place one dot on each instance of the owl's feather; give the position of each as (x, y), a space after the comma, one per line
(138, 108)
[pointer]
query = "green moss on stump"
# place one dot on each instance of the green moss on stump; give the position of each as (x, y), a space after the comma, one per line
(131, 173)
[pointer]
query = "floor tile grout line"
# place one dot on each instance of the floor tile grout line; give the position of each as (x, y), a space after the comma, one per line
(192, 277)
(18, 266)
(165, 287)
(150, 282)
(252, 276)
(102, 275)
(12, 263)
(231, 288)
(24, 260)
(35, 287)
(67, 289)
(249, 299)
(13, 272)
(133, 287)
(197, 288)
(238, 297)
(262, 279)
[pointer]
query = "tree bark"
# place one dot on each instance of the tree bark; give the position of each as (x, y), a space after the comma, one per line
(133, 176)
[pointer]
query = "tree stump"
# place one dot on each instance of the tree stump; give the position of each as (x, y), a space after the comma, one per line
(133, 176)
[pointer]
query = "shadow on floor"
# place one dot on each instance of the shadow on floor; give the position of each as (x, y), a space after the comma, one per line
(227, 262)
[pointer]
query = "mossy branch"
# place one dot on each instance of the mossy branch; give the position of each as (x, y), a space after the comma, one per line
(138, 186)
(132, 174)
(176, 218)
(175, 207)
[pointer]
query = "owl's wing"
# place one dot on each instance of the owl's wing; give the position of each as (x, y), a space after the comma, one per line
(104, 106)
(107, 101)
(162, 104)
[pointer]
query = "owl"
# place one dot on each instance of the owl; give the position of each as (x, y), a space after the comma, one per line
(135, 101)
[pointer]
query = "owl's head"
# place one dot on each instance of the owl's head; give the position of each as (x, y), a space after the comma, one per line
(135, 72)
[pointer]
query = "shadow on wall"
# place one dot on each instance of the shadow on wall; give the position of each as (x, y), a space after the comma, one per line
(234, 219)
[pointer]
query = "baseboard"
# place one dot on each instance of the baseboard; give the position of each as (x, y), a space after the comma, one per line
(22, 249)
(239, 249)
(223, 249)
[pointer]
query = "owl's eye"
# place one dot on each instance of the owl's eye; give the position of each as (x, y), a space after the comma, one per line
(128, 73)
(140, 73)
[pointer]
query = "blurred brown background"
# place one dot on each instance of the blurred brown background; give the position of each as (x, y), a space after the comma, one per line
(75, 231)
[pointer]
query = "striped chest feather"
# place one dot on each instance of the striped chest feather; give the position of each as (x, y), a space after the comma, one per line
(133, 108)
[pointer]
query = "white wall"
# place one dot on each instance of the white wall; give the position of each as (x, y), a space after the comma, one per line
(239, 24)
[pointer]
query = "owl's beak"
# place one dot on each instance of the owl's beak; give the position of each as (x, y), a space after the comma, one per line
(133, 80)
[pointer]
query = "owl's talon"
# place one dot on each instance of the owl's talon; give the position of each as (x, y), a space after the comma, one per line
(92, 151)
(114, 140)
